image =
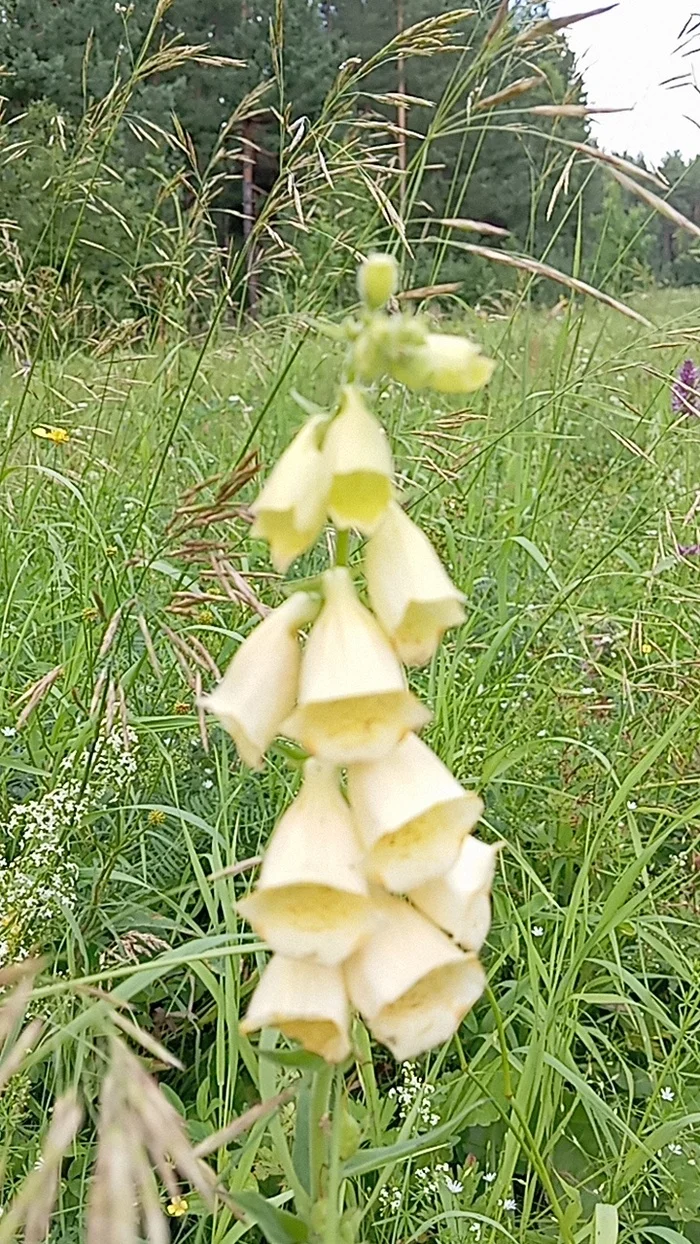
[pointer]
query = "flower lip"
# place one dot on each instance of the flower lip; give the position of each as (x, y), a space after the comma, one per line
(306, 1002)
(411, 813)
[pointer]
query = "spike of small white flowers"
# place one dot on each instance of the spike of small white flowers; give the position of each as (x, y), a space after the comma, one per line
(445, 363)
(460, 902)
(307, 1002)
(409, 590)
(411, 814)
(359, 461)
(312, 900)
(259, 688)
(354, 704)
(409, 982)
(290, 511)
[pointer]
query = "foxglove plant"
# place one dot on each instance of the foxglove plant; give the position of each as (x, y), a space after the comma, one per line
(373, 895)
(685, 394)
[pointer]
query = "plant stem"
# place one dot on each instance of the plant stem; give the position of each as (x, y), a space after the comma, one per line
(330, 1234)
(342, 548)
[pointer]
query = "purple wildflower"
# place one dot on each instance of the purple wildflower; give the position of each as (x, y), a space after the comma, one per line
(685, 398)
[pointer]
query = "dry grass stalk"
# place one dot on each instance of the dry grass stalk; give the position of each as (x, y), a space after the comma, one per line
(243, 1123)
(234, 870)
(98, 690)
(111, 706)
(659, 205)
(553, 274)
(149, 645)
(36, 1198)
(111, 632)
(498, 22)
(551, 25)
(193, 651)
(474, 226)
(201, 715)
(569, 110)
(192, 513)
(25, 1042)
(237, 587)
(513, 91)
(35, 694)
(429, 291)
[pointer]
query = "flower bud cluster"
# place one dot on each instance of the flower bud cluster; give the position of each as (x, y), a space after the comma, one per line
(373, 895)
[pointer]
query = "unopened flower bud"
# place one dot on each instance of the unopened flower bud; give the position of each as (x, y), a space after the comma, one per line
(307, 1002)
(409, 982)
(291, 509)
(411, 814)
(259, 688)
(358, 459)
(312, 900)
(409, 590)
(353, 703)
(377, 280)
(460, 902)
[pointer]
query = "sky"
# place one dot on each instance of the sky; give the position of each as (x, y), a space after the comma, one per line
(625, 55)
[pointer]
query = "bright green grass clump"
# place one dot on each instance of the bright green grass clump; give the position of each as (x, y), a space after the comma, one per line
(558, 499)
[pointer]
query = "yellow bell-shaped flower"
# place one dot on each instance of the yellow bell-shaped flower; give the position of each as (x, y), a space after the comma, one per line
(445, 363)
(312, 899)
(259, 688)
(409, 982)
(377, 280)
(354, 704)
(307, 1002)
(291, 509)
(411, 814)
(460, 902)
(358, 458)
(409, 589)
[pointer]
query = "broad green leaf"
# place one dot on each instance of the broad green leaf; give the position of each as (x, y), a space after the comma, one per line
(277, 1225)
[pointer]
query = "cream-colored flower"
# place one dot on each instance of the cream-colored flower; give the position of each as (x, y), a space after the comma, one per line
(411, 814)
(409, 590)
(312, 900)
(353, 704)
(291, 509)
(259, 688)
(445, 363)
(307, 1002)
(358, 458)
(460, 902)
(409, 982)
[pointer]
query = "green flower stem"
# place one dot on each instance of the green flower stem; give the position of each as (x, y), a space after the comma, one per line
(320, 1100)
(334, 1208)
(342, 548)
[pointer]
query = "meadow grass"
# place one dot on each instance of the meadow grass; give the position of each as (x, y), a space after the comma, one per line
(559, 499)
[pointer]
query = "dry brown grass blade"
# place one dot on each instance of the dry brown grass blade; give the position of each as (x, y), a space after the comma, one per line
(551, 25)
(146, 1040)
(498, 22)
(234, 870)
(98, 689)
(16, 972)
(569, 110)
(25, 1042)
(243, 1123)
(429, 291)
(553, 274)
(66, 1119)
(35, 694)
(149, 646)
(659, 205)
(35, 1200)
(474, 226)
(201, 714)
(517, 88)
(111, 632)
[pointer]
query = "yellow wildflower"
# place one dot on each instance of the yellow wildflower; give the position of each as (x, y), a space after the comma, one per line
(178, 1207)
(358, 456)
(156, 817)
(307, 1002)
(46, 432)
(291, 509)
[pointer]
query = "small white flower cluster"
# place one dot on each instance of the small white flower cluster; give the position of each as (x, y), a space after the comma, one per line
(411, 1089)
(374, 894)
(37, 876)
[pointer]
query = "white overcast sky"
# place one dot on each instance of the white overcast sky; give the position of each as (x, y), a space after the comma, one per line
(625, 55)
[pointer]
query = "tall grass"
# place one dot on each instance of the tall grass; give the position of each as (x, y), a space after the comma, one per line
(568, 1107)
